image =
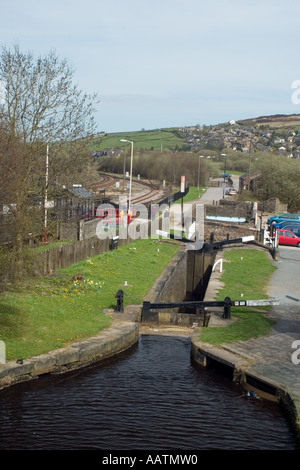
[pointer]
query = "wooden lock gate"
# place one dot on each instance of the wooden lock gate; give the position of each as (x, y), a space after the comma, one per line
(227, 303)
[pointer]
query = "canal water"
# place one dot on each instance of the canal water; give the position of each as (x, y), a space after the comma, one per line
(151, 397)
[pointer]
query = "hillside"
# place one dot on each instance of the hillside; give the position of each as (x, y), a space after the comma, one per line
(266, 133)
(156, 139)
(274, 121)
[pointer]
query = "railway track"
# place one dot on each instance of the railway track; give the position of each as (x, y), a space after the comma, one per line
(104, 182)
(146, 192)
(148, 196)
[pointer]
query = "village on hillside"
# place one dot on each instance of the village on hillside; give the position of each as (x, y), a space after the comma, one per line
(277, 133)
(244, 137)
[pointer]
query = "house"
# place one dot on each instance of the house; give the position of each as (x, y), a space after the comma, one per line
(75, 203)
(249, 181)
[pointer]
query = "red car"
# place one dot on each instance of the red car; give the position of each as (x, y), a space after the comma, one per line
(287, 237)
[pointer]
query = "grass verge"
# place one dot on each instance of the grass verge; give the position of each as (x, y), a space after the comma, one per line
(246, 276)
(43, 314)
(193, 194)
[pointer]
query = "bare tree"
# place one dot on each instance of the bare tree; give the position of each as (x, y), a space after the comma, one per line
(39, 100)
(39, 104)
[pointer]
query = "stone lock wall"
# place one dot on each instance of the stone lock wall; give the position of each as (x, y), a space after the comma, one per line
(171, 285)
(119, 337)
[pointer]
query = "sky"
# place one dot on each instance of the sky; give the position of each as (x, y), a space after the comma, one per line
(162, 63)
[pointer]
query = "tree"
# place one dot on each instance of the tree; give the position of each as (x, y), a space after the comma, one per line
(39, 100)
(39, 105)
(281, 179)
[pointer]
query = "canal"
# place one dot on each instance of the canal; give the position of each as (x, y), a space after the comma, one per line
(151, 397)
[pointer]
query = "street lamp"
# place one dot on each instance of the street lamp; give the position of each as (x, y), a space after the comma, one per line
(224, 184)
(200, 156)
(46, 192)
(249, 165)
(130, 180)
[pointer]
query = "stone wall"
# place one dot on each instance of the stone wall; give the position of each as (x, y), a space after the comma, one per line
(230, 208)
(171, 285)
(88, 228)
(180, 281)
(119, 337)
(269, 206)
(272, 206)
(199, 266)
(231, 230)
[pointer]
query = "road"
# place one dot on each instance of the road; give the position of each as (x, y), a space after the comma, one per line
(285, 286)
(273, 354)
(216, 193)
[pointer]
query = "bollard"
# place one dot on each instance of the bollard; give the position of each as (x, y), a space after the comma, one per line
(114, 243)
(119, 296)
(227, 306)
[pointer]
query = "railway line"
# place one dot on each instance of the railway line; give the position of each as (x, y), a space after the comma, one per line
(151, 194)
(142, 191)
(104, 182)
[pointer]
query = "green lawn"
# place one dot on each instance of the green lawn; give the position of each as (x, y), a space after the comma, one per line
(43, 314)
(246, 276)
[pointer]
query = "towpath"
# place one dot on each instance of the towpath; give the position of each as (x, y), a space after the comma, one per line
(275, 356)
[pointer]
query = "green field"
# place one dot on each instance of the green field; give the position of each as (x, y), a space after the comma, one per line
(158, 139)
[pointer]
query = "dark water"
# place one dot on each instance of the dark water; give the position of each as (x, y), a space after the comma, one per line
(152, 397)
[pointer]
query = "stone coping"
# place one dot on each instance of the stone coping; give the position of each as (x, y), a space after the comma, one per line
(121, 335)
(240, 363)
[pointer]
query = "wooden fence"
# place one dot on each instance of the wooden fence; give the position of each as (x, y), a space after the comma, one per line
(49, 261)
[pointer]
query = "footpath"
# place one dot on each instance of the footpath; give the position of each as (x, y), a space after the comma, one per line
(271, 362)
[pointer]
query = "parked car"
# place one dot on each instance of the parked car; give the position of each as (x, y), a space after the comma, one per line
(280, 218)
(287, 223)
(286, 237)
(231, 191)
(293, 227)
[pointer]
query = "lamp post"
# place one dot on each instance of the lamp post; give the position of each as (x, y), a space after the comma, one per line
(224, 155)
(198, 187)
(124, 168)
(46, 192)
(130, 179)
(249, 165)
